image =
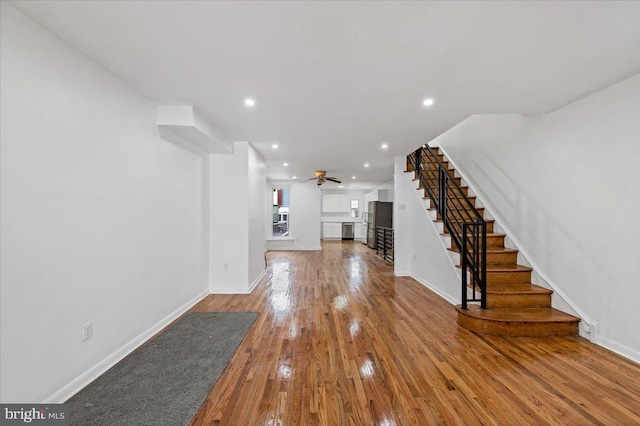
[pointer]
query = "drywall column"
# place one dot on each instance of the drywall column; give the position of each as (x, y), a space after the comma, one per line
(236, 237)
(257, 172)
(402, 234)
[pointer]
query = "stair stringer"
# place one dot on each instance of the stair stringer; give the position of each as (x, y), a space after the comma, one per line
(559, 300)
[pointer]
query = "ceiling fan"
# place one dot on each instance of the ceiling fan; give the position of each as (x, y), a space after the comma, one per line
(321, 176)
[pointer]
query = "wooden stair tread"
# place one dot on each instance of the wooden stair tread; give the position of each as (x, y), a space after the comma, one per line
(431, 209)
(461, 187)
(490, 249)
(517, 289)
(507, 268)
(433, 187)
(489, 234)
(470, 197)
(458, 177)
(519, 315)
(485, 220)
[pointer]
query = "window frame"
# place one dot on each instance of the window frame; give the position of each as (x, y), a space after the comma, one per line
(354, 212)
(287, 214)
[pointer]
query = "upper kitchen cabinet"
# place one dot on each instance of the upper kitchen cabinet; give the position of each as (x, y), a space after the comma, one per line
(378, 195)
(335, 203)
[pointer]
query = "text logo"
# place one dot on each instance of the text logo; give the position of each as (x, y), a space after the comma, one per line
(35, 414)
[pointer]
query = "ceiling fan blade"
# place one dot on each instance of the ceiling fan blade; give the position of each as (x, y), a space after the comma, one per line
(307, 180)
(333, 180)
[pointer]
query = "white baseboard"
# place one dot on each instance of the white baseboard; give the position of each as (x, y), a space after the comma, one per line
(446, 296)
(97, 370)
(622, 350)
(402, 274)
(230, 290)
(257, 280)
(234, 288)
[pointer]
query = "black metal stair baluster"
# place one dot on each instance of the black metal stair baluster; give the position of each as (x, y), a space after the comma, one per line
(463, 264)
(471, 240)
(483, 267)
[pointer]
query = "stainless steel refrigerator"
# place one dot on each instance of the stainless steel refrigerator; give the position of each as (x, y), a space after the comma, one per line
(380, 214)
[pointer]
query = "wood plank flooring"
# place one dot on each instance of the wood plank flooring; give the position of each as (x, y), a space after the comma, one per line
(341, 341)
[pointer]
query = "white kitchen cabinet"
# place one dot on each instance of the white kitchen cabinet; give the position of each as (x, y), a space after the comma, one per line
(378, 195)
(335, 203)
(370, 196)
(345, 203)
(331, 231)
(357, 235)
(329, 203)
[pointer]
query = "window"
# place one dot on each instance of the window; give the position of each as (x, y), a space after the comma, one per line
(280, 212)
(355, 208)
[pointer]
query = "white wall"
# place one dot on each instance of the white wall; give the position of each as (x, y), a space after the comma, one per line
(237, 225)
(565, 187)
(257, 172)
(402, 245)
(102, 220)
(304, 217)
(229, 221)
(418, 249)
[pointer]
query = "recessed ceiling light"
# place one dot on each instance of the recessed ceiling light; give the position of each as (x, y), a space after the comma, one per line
(285, 164)
(295, 177)
(353, 177)
(366, 164)
(340, 186)
(384, 146)
(274, 146)
(427, 102)
(249, 102)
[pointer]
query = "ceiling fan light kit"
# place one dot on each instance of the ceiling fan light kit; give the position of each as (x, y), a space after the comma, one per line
(321, 177)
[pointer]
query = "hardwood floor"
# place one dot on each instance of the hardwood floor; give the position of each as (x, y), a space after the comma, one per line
(341, 341)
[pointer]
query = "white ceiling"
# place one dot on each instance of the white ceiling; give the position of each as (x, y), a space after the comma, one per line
(333, 80)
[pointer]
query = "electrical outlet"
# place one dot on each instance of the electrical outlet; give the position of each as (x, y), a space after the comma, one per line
(87, 331)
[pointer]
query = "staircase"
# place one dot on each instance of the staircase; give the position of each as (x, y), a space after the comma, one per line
(509, 304)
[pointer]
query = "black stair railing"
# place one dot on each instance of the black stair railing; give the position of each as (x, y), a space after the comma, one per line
(384, 244)
(465, 224)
